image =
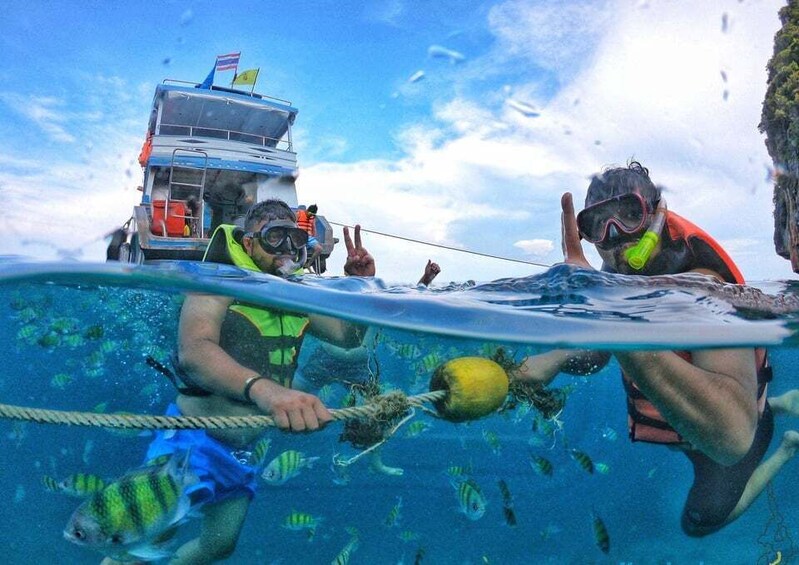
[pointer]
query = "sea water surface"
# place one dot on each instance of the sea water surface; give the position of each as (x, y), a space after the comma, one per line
(77, 336)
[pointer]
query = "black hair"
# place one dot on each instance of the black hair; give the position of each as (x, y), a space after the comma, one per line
(614, 181)
(271, 209)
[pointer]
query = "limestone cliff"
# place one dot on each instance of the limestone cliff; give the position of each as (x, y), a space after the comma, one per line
(780, 123)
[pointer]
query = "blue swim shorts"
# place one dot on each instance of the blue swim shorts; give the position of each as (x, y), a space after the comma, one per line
(221, 474)
(312, 242)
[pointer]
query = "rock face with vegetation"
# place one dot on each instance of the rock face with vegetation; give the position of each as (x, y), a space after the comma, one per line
(780, 123)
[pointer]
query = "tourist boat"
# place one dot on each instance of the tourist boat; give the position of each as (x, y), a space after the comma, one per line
(210, 153)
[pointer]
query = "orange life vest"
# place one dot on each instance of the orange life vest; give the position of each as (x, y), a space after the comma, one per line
(146, 150)
(306, 223)
(645, 421)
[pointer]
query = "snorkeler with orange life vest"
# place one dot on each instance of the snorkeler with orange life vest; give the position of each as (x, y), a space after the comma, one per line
(711, 404)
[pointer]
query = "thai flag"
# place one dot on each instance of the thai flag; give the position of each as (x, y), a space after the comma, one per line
(227, 62)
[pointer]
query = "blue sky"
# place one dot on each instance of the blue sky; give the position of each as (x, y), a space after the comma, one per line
(540, 95)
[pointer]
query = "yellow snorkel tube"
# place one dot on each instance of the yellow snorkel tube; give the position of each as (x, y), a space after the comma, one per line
(638, 255)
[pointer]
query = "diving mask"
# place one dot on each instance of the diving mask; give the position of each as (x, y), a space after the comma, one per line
(285, 240)
(628, 213)
(281, 237)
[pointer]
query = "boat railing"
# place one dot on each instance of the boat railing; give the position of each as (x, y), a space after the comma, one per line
(230, 135)
(231, 90)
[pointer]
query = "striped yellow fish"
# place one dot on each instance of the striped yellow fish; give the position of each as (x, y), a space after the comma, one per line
(602, 468)
(81, 485)
(343, 558)
(583, 460)
(601, 537)
(126, 519)
(541, 465)
(431, 361)
(61, 380)
(50, 484)
(285, 466)
(470, 500)
(507, 503)
(298, 521)
(416, 427)
(459, 471)
(394, 514)
(258, 455)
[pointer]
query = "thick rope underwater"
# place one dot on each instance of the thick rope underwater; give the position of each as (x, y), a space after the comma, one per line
(151, 422)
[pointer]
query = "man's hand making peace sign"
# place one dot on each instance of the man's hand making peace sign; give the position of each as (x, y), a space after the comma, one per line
(359, 262)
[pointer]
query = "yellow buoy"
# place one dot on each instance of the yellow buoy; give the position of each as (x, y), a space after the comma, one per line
(475, 388)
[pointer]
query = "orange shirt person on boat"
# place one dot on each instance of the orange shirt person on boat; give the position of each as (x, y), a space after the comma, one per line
(711, 403)
(306, 219)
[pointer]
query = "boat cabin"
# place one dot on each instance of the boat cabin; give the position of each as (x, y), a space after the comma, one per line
(209, 154)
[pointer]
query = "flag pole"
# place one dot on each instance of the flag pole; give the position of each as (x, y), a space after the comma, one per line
(255, 80)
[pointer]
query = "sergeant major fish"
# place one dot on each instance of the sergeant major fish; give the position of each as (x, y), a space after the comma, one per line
(127, 518)
(78, 484)
(394, 514)
(470, 500)
(507, 503)
(343, 558)
(541, 465)
(285, 466)
(601, 536)
(416, 428)
(258, 455)
(298, 521)
(582, 459)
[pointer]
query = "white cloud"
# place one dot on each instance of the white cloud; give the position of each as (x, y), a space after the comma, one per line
(536, 247)
(553, 34)
(388, 12)
(43, 111)
(62, 203)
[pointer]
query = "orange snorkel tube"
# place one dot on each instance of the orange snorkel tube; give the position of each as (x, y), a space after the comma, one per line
(638, 255)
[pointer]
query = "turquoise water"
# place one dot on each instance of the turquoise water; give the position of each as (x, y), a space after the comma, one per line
(77, 336)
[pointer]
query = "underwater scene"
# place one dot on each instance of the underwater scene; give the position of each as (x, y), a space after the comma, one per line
(548, 475)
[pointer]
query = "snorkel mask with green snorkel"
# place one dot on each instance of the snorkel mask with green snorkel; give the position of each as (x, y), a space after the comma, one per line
(621, 217)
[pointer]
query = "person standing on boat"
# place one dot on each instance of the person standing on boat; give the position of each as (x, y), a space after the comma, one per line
(306, 219)
(237, 360)
(711, 404)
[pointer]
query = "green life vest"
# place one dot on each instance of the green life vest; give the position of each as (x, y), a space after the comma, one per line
(265, 340)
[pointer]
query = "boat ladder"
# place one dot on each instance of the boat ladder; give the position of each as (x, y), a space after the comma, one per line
(185, 188)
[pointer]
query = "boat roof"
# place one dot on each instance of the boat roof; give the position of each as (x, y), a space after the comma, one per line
(254, 99)
(224, 108)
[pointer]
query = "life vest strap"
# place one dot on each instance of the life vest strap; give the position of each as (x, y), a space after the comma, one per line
(173, 376)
